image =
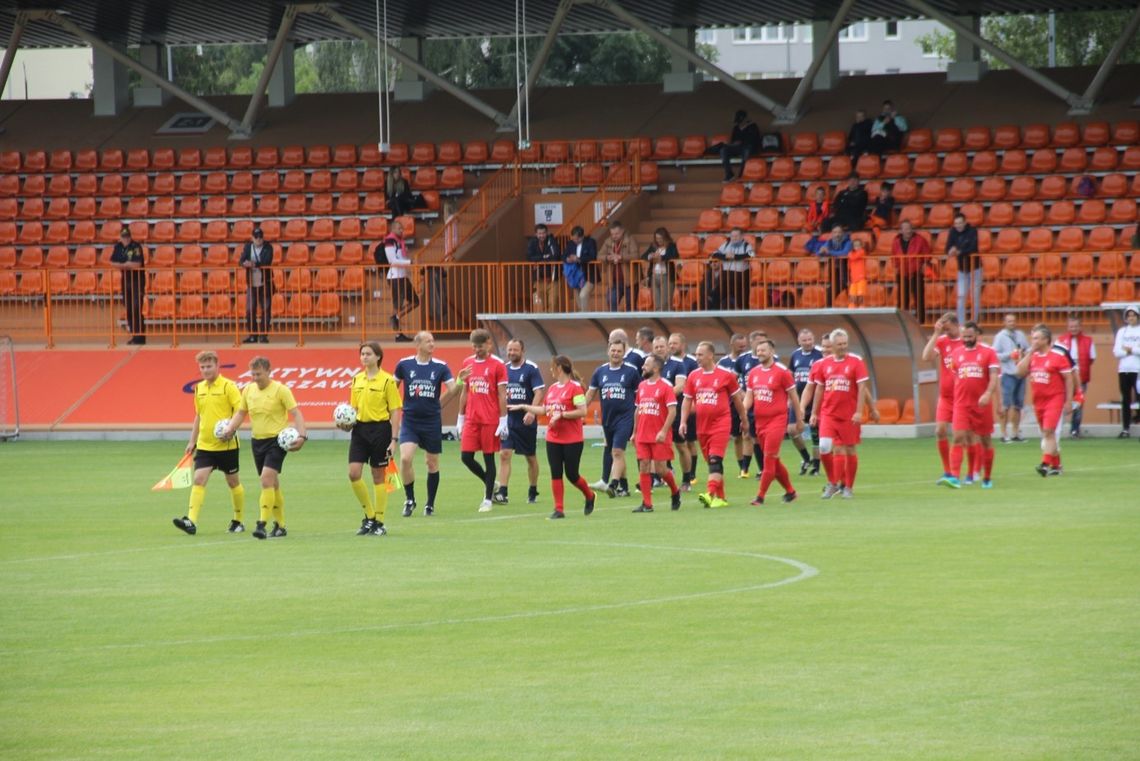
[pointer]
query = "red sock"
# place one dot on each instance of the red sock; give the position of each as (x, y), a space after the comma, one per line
(670, 482)
(584, 487)
(944, 453)
(828, 461)
(558, 489)
(852, 468)
(719, 485)
(955, 460)
(989, 463)
(771, 467)
(1057, 460)
(646, 482)
(971, 460)
(783, 477)
(711, 486)
(840, 469)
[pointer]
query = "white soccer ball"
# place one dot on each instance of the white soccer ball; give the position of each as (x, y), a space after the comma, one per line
(344, 414)
(220, 428)
(287, 438)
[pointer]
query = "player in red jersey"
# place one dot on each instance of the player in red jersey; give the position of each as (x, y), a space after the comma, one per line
(482, 417)
(944, 342)
(1051, 380)
(712, 391)
(565, 408)
(976, 372)
(843, 392)
(653, 433)
(771, 392)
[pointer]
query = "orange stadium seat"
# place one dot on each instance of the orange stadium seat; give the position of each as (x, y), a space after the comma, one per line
(693, 147)
(452, 178)
(811, 168)
(738, 218)
(994, 295)
(838, 168)
(710, 220)
(347, 180)
(215, 183)
(425, 178)
(1126, 133)
(531, 154)
(1043, 161)
(35, 161)
(1092, 212)
(350, 253)
(712, 243)
(963, 189)
(1008, 241)
(450, 152)
(1104, 239)
(813, 297)
(794, 220)
(32, 257)
(948, 139)
(163, 184)
(833, 143)
(1122, 212)
(162, 159)
(905, 191)
(138, 159)
(808, 271)
(761, 194)
(868, 166)
(1103, 159)
(1061, 213)
(782, 168)
(1070, 239)
(977, 138)
(732, 194)
(1130, 161)
(1086, 293)
(556, 151)
(1074, 160)
(767, 219)
(983, 164)
(805, 143)
(1110, 264)
(912, 213)
(665, 148)
(344, 154)
(190, 256)
(368, 155)
(1095, 133)
(754, 170)
(941, 215)
(689, 246)
(564, 174)
(1052, 188)
(955, 164)
(1035, 136)
(322, 203)
(9, 162)
(932, 191)
(789, 194)
(918, 141)
(1014, 162)
(1057, 294)
(59, 185)
(58, 257)
(1021, 188)
(1121, 290)
(348, 229)
(60, 161)
(30, 232)
(1079, 266)
(269, 206)
(772, 245)
(57, 208)
(396, 155)
(214, 158)
(925, 165)
(1025, 294)
(190, 281)
(240, 158)
(1030, 214)
(57, 232)
(502, 152)
(1048, 266)
(1066, 134)
(216, 231)
(475, 152)
(240, 182)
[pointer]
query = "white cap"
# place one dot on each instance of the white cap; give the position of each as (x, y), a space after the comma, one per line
(1132, 308)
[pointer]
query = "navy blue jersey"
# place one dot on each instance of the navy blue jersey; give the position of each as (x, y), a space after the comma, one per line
(800, 364)
(635, 357)
(745, 363)
(522, 382)
(423, 385)
(688, 366)
(728, 363)
(617, 388)
(671, 369)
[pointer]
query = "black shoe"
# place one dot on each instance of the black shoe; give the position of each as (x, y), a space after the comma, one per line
(394, 323)
(250, 340)
(1123, 435)
(137, 341)
(278, 530)
(429, 510)
(402, 338)
(789, 497)
(814, 468)
(589, 507)
(186, 525)
(236, 527)
(379, 530)
(263, 339)
(621, 492)
(259, 530)
(757, 500)
(366, 527)
(804, 467)
(1017, 439)
(1056, 471)
(643, 509)
(1042, 470)
(557, 515)
(499, 498)
(657, 482)
(409, 508)
(675, 501)
(532, 497)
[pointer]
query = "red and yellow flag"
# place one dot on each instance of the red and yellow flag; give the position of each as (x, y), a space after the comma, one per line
(392, 476)
(182, 477)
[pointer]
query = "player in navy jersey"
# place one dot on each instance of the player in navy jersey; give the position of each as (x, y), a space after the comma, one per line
(738, 346)
(674, 373)
(744, 364)
(616, 384)
(428, 383)
(800, 363)
(643, 347)
(686, 444)
(524, 386)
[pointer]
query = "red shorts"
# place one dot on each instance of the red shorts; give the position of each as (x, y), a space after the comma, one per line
(1049, 412)
(479, 437)
(978, 420)
(715, 442)
(770, 432)
(651, 450)
(945, 411)
(842, 432)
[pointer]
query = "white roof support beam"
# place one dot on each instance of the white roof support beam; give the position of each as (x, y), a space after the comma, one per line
(792, 113)
(10, 51)
(543, 54)
(1089, 98)
(258, 97)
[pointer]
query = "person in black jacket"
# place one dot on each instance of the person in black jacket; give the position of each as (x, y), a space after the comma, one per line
(744, 142)
(543, 251)
(128, 257)
(849, 209)
(256, 257)
(962, 244)
(859, 136)
(579, 266)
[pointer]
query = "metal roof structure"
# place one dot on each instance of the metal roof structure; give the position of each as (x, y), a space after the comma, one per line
(195, 22)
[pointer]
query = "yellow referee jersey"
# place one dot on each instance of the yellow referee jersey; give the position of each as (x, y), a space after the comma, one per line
(375, 398)
(213, 402)
(268, 409)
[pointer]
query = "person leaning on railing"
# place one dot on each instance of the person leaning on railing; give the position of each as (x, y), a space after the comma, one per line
(911, 252)
(579, 266)
(660, 253)
(736, 254)
(128, 257)
(837, 247)
(618, 250)
(962, 243)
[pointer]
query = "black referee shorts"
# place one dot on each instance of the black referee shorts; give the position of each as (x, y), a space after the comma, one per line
(370, 442)
(267, 453)
(225, 461)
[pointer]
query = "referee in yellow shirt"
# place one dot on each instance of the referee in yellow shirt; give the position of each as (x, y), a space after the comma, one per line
(269, 406)
(376, 399)
(216, 398)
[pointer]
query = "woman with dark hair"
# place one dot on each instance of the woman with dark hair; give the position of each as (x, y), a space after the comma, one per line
(660, 252)
(565, 409)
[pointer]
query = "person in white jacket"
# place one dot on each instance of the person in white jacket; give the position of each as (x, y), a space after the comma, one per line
(404, 296)
(1127, 350)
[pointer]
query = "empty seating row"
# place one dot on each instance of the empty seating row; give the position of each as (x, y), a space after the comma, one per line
(190, 255)
(569, 175)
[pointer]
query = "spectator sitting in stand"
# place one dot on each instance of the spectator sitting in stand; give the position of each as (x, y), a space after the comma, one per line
(888, 130)
(819, 209)
(859, 136)
(744, 142)
(850, 206)
(883, 213)
(838, 247)
(400, 198)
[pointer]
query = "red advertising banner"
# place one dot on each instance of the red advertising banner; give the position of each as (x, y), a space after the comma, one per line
(152, 388)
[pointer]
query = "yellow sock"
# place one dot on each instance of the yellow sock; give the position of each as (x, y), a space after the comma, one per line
(197, 497)
(381, 501)
(237, 496)
(265, 504)
(362, 496)
(279, 506)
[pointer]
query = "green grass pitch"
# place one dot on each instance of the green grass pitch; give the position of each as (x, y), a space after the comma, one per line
(910, 623)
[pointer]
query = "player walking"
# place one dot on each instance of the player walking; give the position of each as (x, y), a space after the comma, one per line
(616, 384)
(800, 363)
(1051, 381)
(738, 347)
(711, 391)
(843, 390)
(684, 441)
(977, 371)
(482, 420)
(771, 394)
(744, 364)
(216, 398)
(524, 386)
(428, 384)
(656, 409)
(945, 340)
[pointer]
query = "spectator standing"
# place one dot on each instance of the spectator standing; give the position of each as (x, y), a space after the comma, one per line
(1011, 345)
(1083, 352)
(818, 211)
(543, 251)
(836, 247)
(404, 298)
(962, 244)
(736, 253)
(1126, 348)
(128, 257)
(660, 253)
(859, 136)
(744, 142)
(850, 206)
(911, 253)
(256, 257)
(618, 250)
(857, 288)
(579, 266)
(887, 130)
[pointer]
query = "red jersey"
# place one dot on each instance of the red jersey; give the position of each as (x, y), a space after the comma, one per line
(711, 393)
(483, 389)
(838, 380)
(972, 371)
(1045, 374)
(770, 387)
(946, 346)
(564, 397)
(654, 398)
